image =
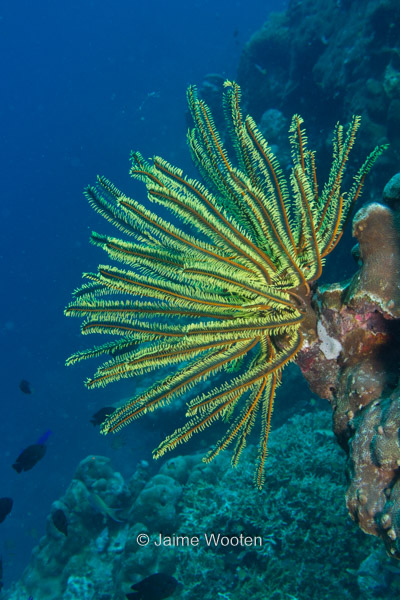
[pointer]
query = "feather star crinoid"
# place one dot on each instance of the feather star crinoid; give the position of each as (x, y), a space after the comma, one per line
(226, 285)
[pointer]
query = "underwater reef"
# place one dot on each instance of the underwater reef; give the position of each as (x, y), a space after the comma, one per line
(234, 290)
(238, 295)
(309, 546)
(352, 358)
(329, 59)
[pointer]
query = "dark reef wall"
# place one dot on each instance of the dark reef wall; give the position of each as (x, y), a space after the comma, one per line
(327, 60)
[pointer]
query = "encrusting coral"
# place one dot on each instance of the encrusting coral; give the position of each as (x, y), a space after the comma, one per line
(360, 318)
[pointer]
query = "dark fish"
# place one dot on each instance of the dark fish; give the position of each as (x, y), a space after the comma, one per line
(25, 386)
(101, 415)
(29, 457)
(60, 521)
(155, 587)
(5, 508)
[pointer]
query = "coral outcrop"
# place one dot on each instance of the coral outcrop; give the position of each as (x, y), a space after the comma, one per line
(329, 59)
(352, 358)
(293, 539)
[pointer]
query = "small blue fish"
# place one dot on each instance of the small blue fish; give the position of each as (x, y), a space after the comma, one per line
(6, 505)
(101, 415)
(25, 386)
(43, 438)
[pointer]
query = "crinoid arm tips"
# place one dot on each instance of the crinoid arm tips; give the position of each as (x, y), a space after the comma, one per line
(217, 292)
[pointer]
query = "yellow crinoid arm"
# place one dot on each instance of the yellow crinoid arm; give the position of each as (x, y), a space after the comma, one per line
(207, 278)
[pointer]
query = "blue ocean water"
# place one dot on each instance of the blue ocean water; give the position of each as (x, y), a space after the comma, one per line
(82, 84)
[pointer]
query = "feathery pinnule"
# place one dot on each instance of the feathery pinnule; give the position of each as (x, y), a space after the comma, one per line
(222, 287)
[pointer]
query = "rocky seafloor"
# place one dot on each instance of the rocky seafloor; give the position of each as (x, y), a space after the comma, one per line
(301, 535)
(310, 547)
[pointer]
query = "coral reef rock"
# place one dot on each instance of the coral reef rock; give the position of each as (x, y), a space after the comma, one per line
(353, 360)
(327, 60)
(208, 526)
